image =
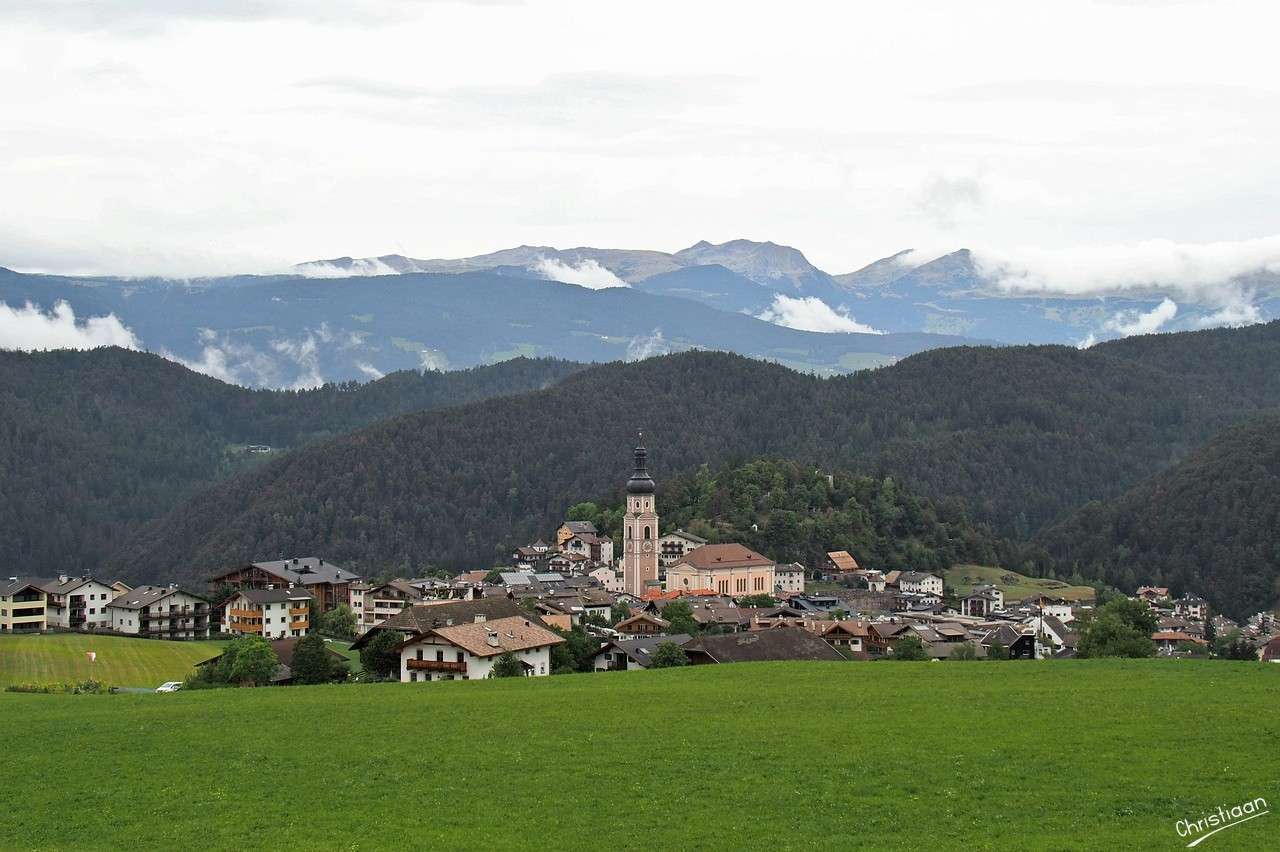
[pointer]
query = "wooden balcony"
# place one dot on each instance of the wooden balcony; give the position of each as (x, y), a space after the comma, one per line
(437, 666)
(244, 627)
(298, 625)
(245, 613)
(301, 611)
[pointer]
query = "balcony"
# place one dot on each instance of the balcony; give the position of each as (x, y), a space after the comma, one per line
(298, 625)
(437, 666)
(245, 613)
(301, 611)
(244, 627)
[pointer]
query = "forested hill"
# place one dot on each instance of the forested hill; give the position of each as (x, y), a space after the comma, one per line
(792, 512)
(94, 443)
(1017, 436)
(1210, 524)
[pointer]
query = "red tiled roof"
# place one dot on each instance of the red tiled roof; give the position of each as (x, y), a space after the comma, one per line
(725, 556)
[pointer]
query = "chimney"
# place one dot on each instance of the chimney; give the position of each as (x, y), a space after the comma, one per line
(62, 578)
(492, 639)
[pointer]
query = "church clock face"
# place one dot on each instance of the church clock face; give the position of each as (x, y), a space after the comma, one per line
(647, 546)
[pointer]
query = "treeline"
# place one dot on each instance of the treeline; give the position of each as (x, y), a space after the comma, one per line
(1209, 525)
(92, 444)
(1015, 438)
(793, 512)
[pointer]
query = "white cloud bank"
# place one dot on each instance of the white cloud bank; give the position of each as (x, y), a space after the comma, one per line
(647, 347)
(29, 328)
(1129, 323)
(328, 269)
(588, 273)
(809, 313)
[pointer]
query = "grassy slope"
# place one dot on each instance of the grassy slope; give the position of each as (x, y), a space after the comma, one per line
(55, 658)
(1070, 754)
(963, 578)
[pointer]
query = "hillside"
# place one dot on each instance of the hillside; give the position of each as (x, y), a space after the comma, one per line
(1014, 437)
(1032, 734)
(94, 443)
(964, 578)
(121, 660)
(791, 513)
(1210, 523)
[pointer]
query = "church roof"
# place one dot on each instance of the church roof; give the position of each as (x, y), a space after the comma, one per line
(641, 482)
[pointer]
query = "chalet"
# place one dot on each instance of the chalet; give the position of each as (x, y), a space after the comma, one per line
(532, 557)
(422, 617)
(849, 635)
(1168, 641)
(597, 549)
(1270, 652)
(881, 637)
(1151, 594)
(569, 529)
(269, 613)
(468, 651)
(378, 603)
(77, 603)
(1191, 606)
(566, 562)
(632, 654)
(729, 569)
(642, 624)
(161, 612)
(840, 562)
(329, 584)
(982, 602)
(675, 546)
(22, 606)
(1019, 641)
(920, 583)
(789, 578)
(759, 646)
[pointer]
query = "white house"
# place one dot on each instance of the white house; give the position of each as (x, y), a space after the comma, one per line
(1191, 606)
(468, 651)
(674, 546)
(915, 581)
(982, 601)
(788, 578)
(269, 613)
(161, 612)
(1060, 610)
(78, 603)
(608, 577)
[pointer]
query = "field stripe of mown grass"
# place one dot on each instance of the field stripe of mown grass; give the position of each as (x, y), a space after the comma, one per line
(1054, 755)
(121, 661)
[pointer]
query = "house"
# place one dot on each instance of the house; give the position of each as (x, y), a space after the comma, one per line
(594, 548)
(379, 603)
(786, 643)
(1019, 641)
(569, 529)
(329, 584)
(422, 617)
(1191, 606)
(468, 651)
(789, 578)
(284, 648)
(920, 583)
(1058, 608)
(728, 569)
(1151, 594)
(817, 604)
(982, 601)
(22, 606)
(275, 613)
(532, 557)
(608, 577)
(881, 637)
(674, 546)
(1054, 632)
(848, 634)
(1167, 641)
(77, 603)
(1270, 652)
(632, 654)
(872, 581)
(642, 624)
(840, 562)
(161, 612)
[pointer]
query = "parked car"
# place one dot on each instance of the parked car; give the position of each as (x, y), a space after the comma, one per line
(169, 686)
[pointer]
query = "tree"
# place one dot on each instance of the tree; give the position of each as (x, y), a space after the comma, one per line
(507, 666)
(620, 611)
(312, 662)
(964, 651)
(253, 663)
(1120, 628)
(380, 657)
(576, 654)
(586, 511)
(760, 600)
(997, 651)
(339, 622)
(669, 655)
(494, 576)
(679, 615)
(909, 648)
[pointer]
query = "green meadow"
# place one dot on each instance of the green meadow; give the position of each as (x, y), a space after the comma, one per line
(121, 661)
(1053, 755)
(964, 578)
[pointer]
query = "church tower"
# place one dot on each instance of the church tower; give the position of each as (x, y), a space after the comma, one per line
(640, 528)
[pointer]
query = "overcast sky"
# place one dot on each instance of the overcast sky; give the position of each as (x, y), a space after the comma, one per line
(191, 137)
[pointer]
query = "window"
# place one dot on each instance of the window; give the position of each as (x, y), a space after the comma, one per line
(459, 656)
(439, 656)
(647, 534)
(419, 653)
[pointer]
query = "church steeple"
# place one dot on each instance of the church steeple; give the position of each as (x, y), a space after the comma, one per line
(641, 482)
(640, 527)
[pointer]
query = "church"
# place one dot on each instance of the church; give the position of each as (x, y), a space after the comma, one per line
(640, 529)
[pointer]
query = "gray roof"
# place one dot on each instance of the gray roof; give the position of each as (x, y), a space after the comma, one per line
(56, 586)
(580, 526)
(516, 578)
(641, 650)
(262, 596)
(419, 618)
(10, 587)
(306, 571)
(145, 596)
(784, 643)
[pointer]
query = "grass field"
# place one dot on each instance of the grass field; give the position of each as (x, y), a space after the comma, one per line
(1057, 755)
(61, 657)
(963, 578)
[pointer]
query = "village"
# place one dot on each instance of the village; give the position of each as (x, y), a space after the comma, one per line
(665, 599)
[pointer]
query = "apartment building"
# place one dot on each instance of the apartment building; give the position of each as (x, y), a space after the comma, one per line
(22, 606)
(270, 613)
(160, 612)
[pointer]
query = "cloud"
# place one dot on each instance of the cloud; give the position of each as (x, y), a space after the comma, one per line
(810, 313)
(1131, 322)
(944, 200)
(369, 370)
(647, 347)
(28, 328)
(588, 273)
(1233, 316)
(304, 352)
(345, 268)
(289, 363)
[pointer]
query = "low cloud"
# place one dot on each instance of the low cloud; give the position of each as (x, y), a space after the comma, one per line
(369, 370)
(348, 268)
(289, 363)
(943, 200)
(1129, 323)
(588, 273)
(810, 313)
(29, 328)
(647, 347)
